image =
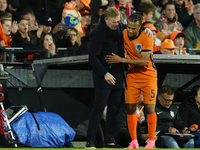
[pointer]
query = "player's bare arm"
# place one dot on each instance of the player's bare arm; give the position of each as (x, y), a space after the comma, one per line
(139, 62)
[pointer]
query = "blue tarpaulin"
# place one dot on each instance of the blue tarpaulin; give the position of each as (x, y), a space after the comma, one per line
(51, 131)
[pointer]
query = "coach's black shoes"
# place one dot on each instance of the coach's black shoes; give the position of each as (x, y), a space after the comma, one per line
(90, 145)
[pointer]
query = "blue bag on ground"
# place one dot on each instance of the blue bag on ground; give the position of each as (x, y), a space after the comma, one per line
(51, 131)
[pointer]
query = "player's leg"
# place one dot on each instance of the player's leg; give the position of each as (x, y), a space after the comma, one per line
(132, 95)
(149, 94)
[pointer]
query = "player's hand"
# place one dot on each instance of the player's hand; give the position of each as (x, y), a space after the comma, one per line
(185, 130)
(148, 32)
(109, 78)
(173, 130)
(113, 58)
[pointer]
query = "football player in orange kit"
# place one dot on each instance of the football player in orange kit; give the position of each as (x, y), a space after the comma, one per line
(141, 76)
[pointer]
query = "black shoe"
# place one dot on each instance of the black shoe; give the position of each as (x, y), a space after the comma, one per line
(111, 145)
(90, 145)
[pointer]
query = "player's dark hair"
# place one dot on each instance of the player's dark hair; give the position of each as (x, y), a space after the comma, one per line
(136, 17)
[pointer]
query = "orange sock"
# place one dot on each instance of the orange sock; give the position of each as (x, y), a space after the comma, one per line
(152, 123)
(132, 126)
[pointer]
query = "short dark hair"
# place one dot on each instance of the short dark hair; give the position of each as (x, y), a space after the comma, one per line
(169, 3)
(75, 30)
(41, 41)
(146, 7)
(136, 17)
(194, 91)
(166, 89)
(180, 35)
(27, 11)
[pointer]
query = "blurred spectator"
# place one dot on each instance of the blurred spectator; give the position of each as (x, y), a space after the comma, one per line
(95, 6)
(193, 30)
(28, 14)
(3, 5)
(169, 120)
(184, 13)
(130, 3)
(44, 25)
(179, 39)
(13, 5)
(86, 20)
(47, 42)
(5, 15)
(6, 28)
(70, 39)
(189, 110)
(161, 5)
(136, 3)
(123, 137)
(169, 23)
(125, 10)
(157, 42)
(111, 3)
(147, 10)
(72, 16)
(37, 6)
(23, 37)
(72, 36)
(55, 10)
(167, 47)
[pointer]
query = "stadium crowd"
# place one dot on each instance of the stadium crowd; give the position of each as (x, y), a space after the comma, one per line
(38, 24)
(175, 24)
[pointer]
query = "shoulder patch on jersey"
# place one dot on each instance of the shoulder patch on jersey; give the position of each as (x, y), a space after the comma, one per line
(138, 47)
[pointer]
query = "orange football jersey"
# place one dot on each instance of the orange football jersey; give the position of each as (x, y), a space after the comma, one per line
(133, 49)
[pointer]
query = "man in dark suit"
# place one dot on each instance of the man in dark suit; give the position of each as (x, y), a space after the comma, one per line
(106, 39)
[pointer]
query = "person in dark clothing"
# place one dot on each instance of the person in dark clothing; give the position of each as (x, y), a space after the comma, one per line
(122, 135)
(13, 5)
(169, 120)
(36, 5)
(47, 43)
(190, 108)
(184, 14)
(105, 39)
(69, 39)
(23, 38)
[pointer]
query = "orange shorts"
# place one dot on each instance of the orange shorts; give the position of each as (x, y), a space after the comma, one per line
(133, 91)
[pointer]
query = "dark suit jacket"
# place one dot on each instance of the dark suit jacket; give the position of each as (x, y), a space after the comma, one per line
(104, 41)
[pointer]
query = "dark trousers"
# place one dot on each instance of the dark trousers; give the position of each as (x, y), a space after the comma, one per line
(112, 98)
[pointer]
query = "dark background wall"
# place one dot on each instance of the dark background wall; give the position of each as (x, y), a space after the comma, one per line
(72, 104)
